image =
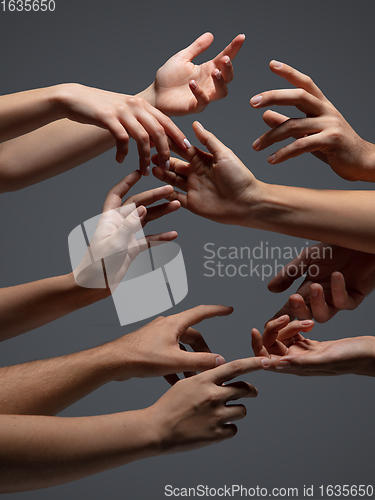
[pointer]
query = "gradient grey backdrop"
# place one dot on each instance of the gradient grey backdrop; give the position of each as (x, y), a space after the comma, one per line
(298, 431)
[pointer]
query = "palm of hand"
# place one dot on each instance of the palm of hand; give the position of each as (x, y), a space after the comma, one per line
(173, 95)
(216, 187)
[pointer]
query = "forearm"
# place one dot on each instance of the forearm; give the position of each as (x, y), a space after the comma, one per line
(39, 452)
(47, 387)
(344, 218)
(31, 305)
(49, 151)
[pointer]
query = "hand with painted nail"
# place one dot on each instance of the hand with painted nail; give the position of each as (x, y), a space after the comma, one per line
(323, 132)
(289, 352)
(114, 245)
(215, 185)
(155, 349)
(125, 117)
(182, 87)
(336, 279)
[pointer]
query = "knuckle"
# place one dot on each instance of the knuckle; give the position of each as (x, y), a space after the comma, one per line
(299, 143)
(133, 101)
(235, 366)
(292, 124)
(143, 137)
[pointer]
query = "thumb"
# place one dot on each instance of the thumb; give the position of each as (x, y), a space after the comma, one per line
(208, 139)
(200, 361)
(303, 365)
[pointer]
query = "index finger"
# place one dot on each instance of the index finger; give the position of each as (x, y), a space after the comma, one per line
(115, 195)
(233, 369)
(232, 49)
(197, 314)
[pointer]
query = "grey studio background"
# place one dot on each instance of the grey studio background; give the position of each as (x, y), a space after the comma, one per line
(299, 431)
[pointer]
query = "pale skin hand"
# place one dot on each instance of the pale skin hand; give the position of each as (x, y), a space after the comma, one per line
(114, 238)
(122, 115)
(47, 387)
(42, 451)
(289, 352)
(324, 131)
(182, 87)
(28, 306)
(341, 280)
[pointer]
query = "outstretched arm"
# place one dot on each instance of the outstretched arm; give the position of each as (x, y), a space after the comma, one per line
(218, 186)
(324, 132)
(42, 451)
(28, 306)
(47, 387)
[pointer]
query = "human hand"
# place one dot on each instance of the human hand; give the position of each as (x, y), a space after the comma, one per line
(289, 352)
(154, 350)
(217, 186)
(194, 412)
(337, 279)
(124, 116)
(324, 132)
(114, 244)
(182, 87)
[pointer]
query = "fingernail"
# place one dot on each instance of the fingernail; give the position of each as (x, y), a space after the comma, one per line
(217, 74)
(271, 158)
(314, 292)
(266, 362)
(187, 143)
(199, 125)
(138, 212)
(227, 61)
(256, 144)
(147, 171)
(256, 100)
(277, 64)
(307, 322)
(335, 277)
(283, 364)
(219, 361)
(294, 303)
(281, 319)
(193, 84)
(167, 165)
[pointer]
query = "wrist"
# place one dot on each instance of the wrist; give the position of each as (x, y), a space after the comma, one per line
(366, 362)
(366, 168)
(84, 296)
(149, 95)
(62, 98)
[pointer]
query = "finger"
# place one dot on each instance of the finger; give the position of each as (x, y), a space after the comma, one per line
(199, 361)
(154, 213)
(149, 197)
(233, 369)
(257, 344)
(340, 296)
(307, 144)
(221, 89)
(273, 119)
(304, 365)
(157, 133)
(294, 328)
(172, 379)
(197, 47)
(296, 78)
(294, 127)
(197, 314)
(170, 177)
(292, 271)
(302, 100)
(234, 412)
(177, 166)
(115, 195)
(121, 136)
(200, 95)
(321, 310)
(237, 390)
(299, 308)
(142, 138)
(208, 139)
(232, 49)
(271, 332)
(226, 69)
(129, 226)
(195, 340)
